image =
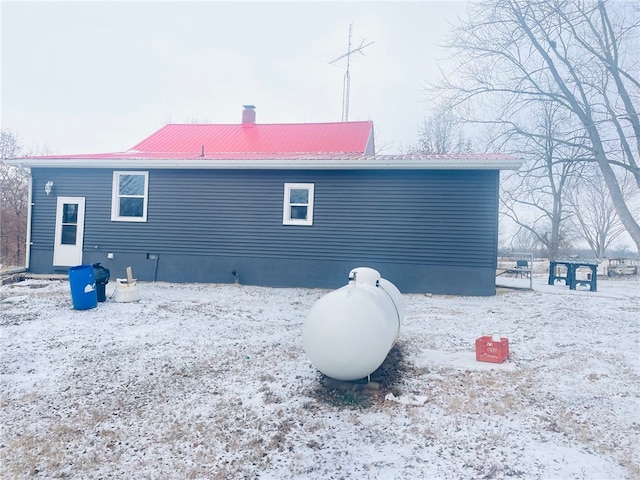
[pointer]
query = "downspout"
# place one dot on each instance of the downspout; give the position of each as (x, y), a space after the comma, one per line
(27, 251)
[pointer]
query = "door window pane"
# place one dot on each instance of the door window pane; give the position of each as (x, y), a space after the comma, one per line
(69, 234)
(70, 213)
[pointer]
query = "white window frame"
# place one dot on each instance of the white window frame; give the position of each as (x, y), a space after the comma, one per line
(115, 197)
(286, 211)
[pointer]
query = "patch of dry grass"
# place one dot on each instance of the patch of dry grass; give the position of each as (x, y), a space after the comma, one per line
(237, 400)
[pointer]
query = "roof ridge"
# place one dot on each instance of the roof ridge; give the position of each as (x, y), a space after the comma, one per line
(267, 124)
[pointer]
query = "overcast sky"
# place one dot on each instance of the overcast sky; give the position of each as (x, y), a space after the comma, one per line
(83, 77)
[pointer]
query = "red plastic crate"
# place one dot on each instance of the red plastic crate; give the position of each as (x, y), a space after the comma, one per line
(489, 350)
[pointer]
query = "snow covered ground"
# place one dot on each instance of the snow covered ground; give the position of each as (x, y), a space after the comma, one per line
(200, 381)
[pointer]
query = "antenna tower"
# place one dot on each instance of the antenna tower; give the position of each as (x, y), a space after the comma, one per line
(346, 85)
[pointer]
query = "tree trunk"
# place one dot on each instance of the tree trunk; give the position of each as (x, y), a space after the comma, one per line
(622, 209)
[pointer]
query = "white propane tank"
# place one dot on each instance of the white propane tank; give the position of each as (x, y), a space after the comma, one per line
(349, 332)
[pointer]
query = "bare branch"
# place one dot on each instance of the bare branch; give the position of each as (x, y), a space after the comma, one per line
(515, 56)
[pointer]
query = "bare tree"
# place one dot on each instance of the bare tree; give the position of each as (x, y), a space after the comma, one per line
(534, 197)
(9, 145)
(513, 54)
(595, 216)
(521, 241)
(14, 197)
(442, 133)
(382, 143)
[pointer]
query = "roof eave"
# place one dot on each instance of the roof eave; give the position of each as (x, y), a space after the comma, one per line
(274, 164)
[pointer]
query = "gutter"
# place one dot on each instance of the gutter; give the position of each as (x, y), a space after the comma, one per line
(377, 162)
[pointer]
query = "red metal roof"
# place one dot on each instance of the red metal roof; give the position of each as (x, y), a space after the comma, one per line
(343, 145)
(301, 138)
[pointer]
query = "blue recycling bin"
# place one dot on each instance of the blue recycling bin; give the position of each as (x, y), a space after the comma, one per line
(83, 287)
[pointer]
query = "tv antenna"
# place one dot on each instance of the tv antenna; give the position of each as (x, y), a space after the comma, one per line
(346, 84)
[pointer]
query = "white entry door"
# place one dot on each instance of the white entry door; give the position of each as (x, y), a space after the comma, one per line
(67, 248)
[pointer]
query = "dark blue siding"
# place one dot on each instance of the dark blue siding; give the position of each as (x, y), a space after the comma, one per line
(431, 230)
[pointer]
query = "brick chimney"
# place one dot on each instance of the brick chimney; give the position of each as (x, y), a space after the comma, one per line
(249, 115)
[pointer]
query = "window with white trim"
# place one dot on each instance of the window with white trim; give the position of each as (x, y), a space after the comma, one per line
(129, 196)
(298, 204)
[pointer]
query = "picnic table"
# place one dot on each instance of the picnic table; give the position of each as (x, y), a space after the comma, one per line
(572, 267)
(522, 267)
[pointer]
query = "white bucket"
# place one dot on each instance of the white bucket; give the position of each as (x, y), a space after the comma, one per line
(126, 292)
